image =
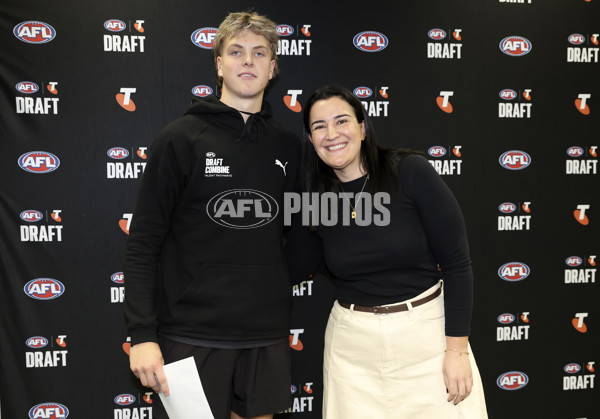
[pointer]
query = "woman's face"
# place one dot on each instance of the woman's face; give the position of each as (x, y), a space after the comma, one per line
(336, 136)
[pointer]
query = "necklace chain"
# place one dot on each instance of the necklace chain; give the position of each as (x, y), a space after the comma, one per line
(357, 198)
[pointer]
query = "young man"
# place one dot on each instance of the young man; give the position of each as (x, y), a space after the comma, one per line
(204, 260)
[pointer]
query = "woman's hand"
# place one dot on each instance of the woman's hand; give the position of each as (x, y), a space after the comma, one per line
(458, 376)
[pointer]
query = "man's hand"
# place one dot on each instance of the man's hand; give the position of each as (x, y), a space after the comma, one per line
(146, 363)
(458, 376)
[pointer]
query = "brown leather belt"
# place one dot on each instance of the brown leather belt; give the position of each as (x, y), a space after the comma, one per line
(395, 308)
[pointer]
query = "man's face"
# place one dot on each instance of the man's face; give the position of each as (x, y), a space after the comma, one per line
(246, 66)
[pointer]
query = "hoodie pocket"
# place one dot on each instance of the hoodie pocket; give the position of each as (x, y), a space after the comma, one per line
(237, 297)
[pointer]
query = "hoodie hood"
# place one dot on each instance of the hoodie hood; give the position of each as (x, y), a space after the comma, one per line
(251, 130)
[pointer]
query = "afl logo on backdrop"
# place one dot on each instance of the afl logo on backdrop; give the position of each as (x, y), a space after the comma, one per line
(573, 261)
(242, 208)
(36, 342)
(437, 151)
(31, 216)
(34, 32)
(513, 380)
(576, 39)
(572, 368)
(115, 25)
(202, 90)
(506, 318)
(363, 92)
(515, 160)
(204, 37)
(39, 162)
(118, 153)
(49, 410)
(515, 46)
(285, 30)
(575, 151)
(370, 41)
(507, 207)
(508, 94)
(437, 34)
(514, 271)
(125, 399)
(27, 87)
(44, 289)
(118, 278)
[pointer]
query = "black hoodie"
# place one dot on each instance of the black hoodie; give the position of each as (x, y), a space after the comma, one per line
(204, 256)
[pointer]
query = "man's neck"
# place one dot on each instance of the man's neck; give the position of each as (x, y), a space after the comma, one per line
(250, 105)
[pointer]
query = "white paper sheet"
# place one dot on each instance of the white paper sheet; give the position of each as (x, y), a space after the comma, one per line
(186, 398)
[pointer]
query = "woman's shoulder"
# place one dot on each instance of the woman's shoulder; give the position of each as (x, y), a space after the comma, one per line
(410, 161)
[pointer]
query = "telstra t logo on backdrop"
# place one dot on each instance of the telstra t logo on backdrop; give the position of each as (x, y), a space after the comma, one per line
(125, 223)
(581, 103)
(580, 215)
(443, 101)
(578, 322)
(291, 100)
(124, 98)
(295, 342)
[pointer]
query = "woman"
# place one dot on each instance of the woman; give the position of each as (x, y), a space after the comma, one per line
(390, 352)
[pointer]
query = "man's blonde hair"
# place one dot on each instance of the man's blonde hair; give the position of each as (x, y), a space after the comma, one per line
(236, 23)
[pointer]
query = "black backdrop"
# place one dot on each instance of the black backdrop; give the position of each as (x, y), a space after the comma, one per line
(70, 352)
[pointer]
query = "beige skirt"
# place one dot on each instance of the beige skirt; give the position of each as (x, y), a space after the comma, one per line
(390, 366)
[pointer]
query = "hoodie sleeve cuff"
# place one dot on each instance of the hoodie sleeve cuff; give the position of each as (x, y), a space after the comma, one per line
(140, 335)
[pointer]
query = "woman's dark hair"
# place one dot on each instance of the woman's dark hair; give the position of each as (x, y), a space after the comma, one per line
(378, 162)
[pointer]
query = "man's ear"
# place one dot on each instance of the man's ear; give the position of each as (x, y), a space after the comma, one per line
(219, 66)
(271, 69)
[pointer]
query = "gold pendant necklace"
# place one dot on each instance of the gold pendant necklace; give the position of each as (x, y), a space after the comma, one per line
(357, 198)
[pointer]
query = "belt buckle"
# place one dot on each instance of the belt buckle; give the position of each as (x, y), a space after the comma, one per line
(380, 310)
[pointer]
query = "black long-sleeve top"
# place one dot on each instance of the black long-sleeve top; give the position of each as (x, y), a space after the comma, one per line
(425, 241)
